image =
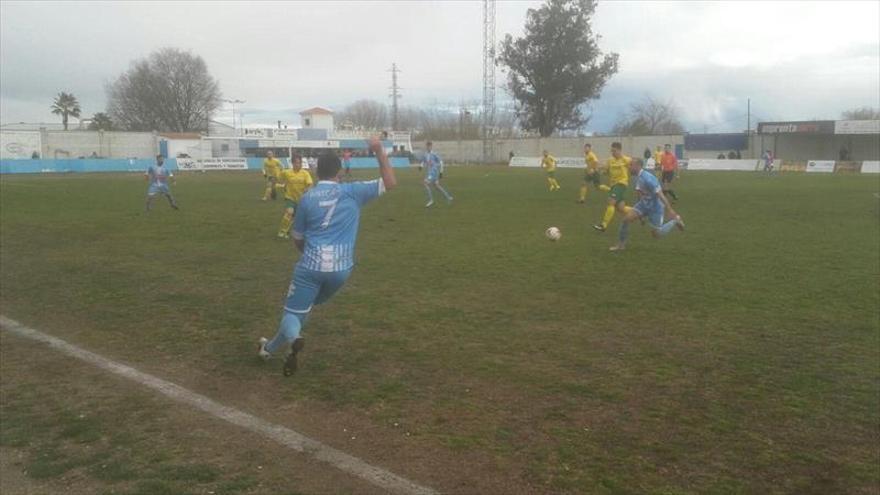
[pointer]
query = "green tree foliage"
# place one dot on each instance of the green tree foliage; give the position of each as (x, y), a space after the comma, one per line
(556, 67)
(171, 91)
(101, 122)
(66, 105)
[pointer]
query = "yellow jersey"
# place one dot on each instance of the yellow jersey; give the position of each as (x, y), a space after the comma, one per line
(272, 167)
(658, 155)
(548, 163)
(618, 170)
(592, 161)
(295, 183)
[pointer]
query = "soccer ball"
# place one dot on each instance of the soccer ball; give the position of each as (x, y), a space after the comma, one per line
(553, 234)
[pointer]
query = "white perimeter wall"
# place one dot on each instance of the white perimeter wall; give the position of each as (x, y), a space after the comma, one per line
(472, 150)
(74, 144)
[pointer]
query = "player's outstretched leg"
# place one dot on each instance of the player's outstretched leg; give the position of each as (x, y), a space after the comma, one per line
(286, 223)
(149, 205)
(622, 236)
(606, 218)
(171, 201)
(445, 193)
(430, 194)
(290, 361)
(288, 333)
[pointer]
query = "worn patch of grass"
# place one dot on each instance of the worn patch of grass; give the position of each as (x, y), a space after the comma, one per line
(742, 356)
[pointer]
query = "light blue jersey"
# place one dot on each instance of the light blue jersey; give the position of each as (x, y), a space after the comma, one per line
(649, 188)
(158, 178)
(432, 166)
(328, 219)
(649, 204)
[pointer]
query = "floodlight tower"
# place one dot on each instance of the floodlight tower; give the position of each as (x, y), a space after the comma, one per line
(488, 77)
(395, 95)
(233, 102)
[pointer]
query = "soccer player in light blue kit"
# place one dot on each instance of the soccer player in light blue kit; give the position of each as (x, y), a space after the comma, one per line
(433, 166)
(157, 175)
(325, 231)
(651, 205)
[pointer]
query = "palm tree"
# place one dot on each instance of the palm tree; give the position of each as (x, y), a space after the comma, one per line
(65, 105)
(101, 122)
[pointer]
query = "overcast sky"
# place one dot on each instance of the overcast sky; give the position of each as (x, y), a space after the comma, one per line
(794, 59)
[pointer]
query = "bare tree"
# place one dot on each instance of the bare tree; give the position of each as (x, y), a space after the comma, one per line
(506, 123)
(171, 90)
(366, 114)
(649, 117)
(65, 105)
(864, 113)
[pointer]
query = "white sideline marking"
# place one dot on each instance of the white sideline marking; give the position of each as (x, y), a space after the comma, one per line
(285, 436)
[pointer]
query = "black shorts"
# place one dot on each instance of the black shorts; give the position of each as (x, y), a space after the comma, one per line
(668, 176)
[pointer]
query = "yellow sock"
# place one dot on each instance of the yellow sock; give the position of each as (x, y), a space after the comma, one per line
(555, 184)
(268, 192)
(603, 187)
(583, 193)
(609, 215)
(627, 209)
(550, 181)
(286, 222)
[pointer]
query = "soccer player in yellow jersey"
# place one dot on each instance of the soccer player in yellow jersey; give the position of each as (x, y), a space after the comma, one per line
(548, 163)
(296, 182)
(658, 155)
(591, 174)
(618, 172)
(271, 171)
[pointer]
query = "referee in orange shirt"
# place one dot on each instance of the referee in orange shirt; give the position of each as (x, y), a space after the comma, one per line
(669, 166)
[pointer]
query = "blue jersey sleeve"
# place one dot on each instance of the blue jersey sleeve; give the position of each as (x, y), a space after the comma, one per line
(299, 221)
(365, 191)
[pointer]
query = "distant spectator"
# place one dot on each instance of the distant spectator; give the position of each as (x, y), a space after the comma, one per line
(768, 161)
(35, 156)
(510, 156)
(731, 155)
(720, 156)
(94, 155)
(844, 154)
(738, 155)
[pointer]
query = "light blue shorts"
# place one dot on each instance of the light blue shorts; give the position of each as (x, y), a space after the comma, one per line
(158, 189)
(310, 287)
(433, 175)
(653, 211)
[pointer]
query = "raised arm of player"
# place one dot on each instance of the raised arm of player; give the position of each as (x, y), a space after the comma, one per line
(388, 178)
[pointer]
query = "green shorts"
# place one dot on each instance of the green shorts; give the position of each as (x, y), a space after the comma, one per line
(289, 203)
(592, 178)
(618, 192)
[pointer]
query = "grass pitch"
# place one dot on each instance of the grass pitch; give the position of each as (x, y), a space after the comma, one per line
(467, 352)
